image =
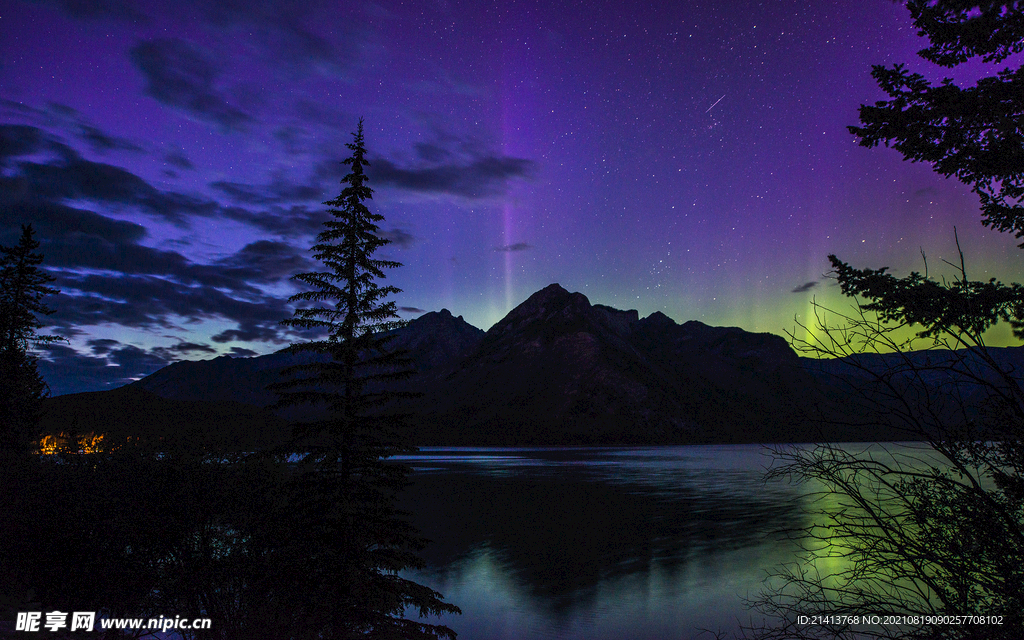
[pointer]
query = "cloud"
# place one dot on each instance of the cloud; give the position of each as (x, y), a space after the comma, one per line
(399, 237)
(101, 142)
(480, 177)
(101, 346)
(443, 83)
(80, 179)
(108, 277)
(296, 140)
(239, 192)
(85, 179)
(114, 365)
(241, 352)
(68, 371)
(72, 177)
(807, 286)
(432, 152)
(38, 188)
(267, 261)
(276, 192)
(19, 108)
(136, 359)
(180, 76)
(279, 27)
(93, 9)
(108, 364)
(147, 301)
(179, 160)
(109, 273)
(292, 222)
(518, 246)
(59, 224)
(19, 140)
(105, 346)
(78, 239)
(250, 332)
(457, 164)
(25, 140)
(411, 310)
(189, 347)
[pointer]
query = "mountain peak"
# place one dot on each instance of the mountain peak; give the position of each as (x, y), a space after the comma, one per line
(443, 317)
(552, 293)
(659, 319)
(552, 303)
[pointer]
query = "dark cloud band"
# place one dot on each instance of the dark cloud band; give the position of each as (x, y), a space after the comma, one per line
(482, 177)
(517, 246)
(180, 76)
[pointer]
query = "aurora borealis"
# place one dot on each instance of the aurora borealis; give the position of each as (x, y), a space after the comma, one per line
(684, 157)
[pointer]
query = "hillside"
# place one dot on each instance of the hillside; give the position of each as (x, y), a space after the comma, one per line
(557, 370)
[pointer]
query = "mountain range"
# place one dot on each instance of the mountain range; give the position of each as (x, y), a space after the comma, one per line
(557, 370)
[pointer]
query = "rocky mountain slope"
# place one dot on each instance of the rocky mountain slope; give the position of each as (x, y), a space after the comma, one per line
(432, 340)
(560, 370)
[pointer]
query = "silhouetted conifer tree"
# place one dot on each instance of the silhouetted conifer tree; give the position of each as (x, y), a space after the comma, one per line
(357, 321)
(23, 285)
(940, 532)
(974, 133)
(342, 497)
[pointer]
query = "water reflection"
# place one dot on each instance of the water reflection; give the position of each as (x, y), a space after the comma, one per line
(598, 543)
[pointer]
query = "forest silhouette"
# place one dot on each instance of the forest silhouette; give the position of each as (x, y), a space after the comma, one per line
(299, 539)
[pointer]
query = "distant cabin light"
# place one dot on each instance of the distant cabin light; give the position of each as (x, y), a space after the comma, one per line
(87, 443)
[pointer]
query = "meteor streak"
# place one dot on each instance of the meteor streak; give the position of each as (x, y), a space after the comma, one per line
(716, 102)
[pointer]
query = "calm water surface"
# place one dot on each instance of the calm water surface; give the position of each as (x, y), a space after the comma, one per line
(599, 543)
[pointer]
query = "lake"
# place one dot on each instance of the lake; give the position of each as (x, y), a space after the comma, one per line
(599, 543)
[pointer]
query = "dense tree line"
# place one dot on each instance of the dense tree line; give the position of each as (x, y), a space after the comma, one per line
(301, 540)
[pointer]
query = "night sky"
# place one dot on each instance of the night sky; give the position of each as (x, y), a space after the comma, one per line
(684, 157)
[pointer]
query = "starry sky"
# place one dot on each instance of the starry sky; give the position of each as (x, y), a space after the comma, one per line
(689, 157)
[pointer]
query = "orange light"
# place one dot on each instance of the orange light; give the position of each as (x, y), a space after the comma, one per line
(87, 443)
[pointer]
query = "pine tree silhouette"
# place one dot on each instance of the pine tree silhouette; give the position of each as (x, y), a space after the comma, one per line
(344, 489)
(23, 285)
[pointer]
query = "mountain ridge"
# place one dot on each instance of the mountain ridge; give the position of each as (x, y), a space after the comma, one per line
(555, 370)
(560, 370)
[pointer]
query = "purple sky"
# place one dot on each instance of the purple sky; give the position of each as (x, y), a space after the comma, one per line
(687, 157)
